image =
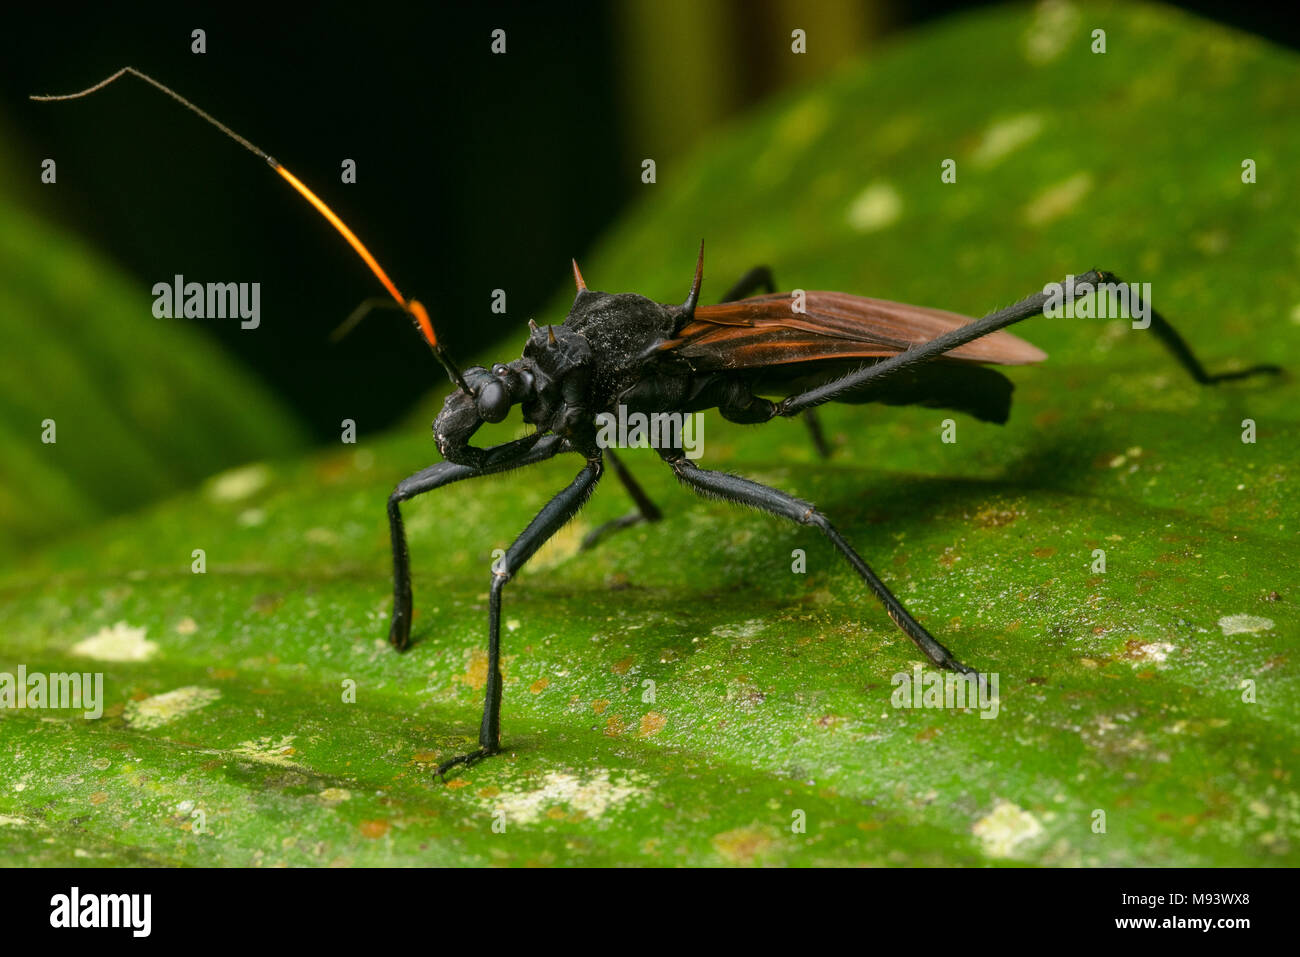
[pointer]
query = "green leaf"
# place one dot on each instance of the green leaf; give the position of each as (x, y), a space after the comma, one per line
(141, 407)
(1121, 692)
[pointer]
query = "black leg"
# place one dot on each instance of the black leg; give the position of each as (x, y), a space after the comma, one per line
(816, 433)
(742, 491)
(760, 278)
(501, 459)
(548, 521)
(646, 510)
(366, 307)
(1026, 308)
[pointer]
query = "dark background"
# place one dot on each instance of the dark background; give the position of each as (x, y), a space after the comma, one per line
(475, 171)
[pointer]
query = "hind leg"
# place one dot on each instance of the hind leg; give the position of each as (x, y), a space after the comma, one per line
(1025, 309)
(743, 491)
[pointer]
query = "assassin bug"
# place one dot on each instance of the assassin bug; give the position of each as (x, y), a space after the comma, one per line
(626, 350)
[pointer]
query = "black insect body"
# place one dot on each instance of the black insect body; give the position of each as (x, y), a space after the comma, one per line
(629, 351)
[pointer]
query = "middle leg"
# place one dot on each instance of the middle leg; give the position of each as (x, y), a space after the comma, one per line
(645, 511)
(760, 279)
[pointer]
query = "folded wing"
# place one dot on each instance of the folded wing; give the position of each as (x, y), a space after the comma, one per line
(765, 331)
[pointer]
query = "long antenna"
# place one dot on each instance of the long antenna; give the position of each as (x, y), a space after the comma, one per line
(412, 307)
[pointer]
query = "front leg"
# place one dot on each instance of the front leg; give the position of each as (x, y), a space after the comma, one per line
(553, 516)
(502, 458)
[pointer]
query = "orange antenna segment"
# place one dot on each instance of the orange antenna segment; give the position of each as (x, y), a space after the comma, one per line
(350, 236)
(417, 310)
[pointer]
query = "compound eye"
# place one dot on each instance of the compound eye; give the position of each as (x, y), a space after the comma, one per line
(493, 402)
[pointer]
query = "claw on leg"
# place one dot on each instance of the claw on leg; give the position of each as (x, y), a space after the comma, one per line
(466, 759)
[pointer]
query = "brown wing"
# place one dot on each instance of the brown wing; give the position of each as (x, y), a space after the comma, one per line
(764, 331)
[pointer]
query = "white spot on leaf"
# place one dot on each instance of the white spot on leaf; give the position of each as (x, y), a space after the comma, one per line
(1055, 201)
(238, 483)
(747, 629)
(1052, 31)
(1244, 624)
(876, 207)
(1005, 830)
(167, 707)
(1157, 651)
(268, 750)
(1007, 136)
(592, 797)
(121, 642)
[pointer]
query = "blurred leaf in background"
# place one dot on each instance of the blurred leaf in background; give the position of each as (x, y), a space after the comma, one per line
(685, 67)
(142, 407)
